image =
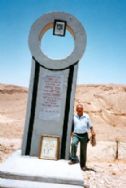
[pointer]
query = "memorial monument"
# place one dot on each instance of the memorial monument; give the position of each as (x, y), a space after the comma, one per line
(50, 106)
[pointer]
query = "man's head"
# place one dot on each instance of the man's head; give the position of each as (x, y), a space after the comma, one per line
(79, 109)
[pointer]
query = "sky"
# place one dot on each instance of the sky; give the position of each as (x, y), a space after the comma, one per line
(104, 60)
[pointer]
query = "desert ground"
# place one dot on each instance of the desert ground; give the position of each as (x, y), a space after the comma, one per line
(106, 105)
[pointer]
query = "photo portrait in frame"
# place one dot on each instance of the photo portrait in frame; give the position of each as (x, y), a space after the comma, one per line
(59, 27)
(49, 147)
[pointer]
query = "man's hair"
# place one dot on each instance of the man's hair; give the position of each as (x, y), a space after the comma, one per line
(79, 105)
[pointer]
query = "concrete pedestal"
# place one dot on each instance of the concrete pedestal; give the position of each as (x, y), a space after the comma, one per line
(24, 171)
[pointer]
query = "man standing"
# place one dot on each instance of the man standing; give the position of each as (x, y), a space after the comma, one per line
(81, 126)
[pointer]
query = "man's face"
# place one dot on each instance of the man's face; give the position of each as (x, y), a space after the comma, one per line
(79, 110)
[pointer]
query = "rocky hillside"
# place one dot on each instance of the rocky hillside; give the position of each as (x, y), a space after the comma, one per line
(106, 105)
(12, 110)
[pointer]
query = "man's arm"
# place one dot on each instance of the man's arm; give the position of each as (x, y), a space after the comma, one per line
(90, 126)
(92, 131)
(93, 137)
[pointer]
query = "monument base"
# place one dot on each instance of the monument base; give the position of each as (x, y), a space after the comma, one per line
(24, 171)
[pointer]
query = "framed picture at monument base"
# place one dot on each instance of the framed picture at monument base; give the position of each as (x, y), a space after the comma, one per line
(49, 147)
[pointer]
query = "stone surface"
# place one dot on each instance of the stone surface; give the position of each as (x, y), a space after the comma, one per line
(122, 151)
(9, 183)
(28, 168)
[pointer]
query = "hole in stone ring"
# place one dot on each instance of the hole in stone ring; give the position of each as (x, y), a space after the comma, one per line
(56, 47)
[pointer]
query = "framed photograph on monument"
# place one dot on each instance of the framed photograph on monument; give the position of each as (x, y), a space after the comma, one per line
(59, 28)
(49, 147)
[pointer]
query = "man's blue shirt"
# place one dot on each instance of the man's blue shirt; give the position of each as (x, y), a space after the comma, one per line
(81, 124)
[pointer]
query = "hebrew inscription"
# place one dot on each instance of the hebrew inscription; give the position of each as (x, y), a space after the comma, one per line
(51, 95)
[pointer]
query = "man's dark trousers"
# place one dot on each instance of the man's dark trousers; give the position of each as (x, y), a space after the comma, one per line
(83, 139)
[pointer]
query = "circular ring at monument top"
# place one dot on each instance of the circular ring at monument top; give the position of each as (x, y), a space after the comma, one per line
(46, 22)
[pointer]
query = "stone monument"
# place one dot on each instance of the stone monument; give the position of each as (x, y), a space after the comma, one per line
(50, 106)
(52, 88)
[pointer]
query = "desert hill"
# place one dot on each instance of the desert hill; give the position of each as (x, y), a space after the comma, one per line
(12, 110)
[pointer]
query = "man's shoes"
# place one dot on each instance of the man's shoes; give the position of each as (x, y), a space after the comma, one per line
(85, 168)
(72, 162)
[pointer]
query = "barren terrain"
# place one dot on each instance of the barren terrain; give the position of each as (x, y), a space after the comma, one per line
(106, 105)
(12, 115)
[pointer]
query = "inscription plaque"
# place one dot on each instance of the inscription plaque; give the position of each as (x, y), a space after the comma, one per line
(51, 96)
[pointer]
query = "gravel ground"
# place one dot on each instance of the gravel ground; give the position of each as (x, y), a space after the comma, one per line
(107, 175)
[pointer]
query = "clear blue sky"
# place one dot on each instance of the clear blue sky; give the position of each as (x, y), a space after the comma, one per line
(104, 60)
